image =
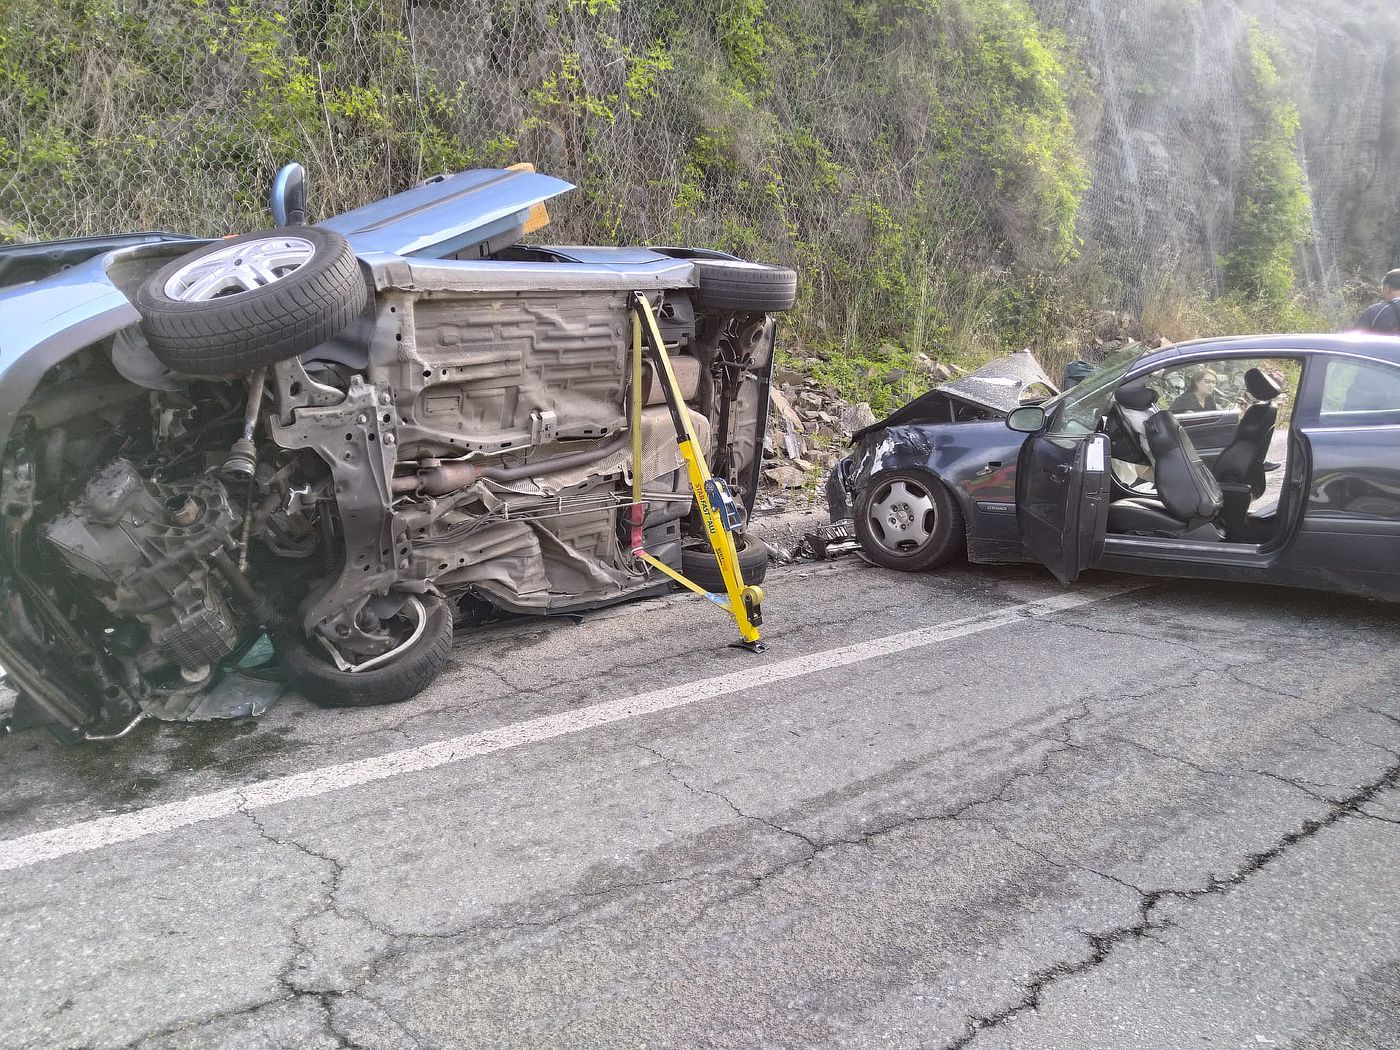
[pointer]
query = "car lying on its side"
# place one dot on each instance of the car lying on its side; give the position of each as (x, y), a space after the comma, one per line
(1286, 472)
(345, 437)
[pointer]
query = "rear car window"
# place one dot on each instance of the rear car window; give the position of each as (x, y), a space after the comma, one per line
(1360, 393)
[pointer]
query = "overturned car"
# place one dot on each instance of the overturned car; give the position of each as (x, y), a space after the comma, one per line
(348, 438)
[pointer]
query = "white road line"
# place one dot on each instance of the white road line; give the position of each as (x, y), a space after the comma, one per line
(126, 827)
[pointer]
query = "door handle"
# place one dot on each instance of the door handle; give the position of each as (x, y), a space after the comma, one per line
(1061, 473)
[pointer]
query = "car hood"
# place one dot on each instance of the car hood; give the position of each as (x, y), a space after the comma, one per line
(997, 386)
(443, 216)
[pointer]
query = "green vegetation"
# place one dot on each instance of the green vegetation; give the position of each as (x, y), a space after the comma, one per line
(915, 160)
(886, 375)
(1178, 312)
(1270, 231)
(117, 118)
(1272, 206)
(929, 203)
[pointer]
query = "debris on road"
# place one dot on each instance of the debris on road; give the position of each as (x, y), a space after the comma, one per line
(823, 543)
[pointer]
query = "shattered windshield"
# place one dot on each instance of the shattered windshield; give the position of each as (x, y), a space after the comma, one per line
(1079, 409)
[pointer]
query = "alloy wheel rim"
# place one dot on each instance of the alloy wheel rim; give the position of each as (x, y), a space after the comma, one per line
(902, 518)
(238, 268)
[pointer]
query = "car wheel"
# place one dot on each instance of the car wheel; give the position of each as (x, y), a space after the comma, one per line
(426, 626)
(699, 566)
(236, 305)
(908, 520)
(725, 284)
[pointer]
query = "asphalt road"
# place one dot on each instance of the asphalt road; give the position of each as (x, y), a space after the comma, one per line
(966, 809)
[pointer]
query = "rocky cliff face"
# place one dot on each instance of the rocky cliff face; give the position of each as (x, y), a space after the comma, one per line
(872, 143)
(1165, 120)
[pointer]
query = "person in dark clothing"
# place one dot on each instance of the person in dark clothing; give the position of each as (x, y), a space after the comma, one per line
(1200, 395)
(1383, 316)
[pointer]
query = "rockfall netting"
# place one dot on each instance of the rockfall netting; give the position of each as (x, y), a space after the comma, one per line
(174, 114)
(914, 158)
(1170, 121)
(903, 155)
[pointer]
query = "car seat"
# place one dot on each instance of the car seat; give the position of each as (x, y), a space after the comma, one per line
(1127, 422)
(1189, 499)
(1240, 467)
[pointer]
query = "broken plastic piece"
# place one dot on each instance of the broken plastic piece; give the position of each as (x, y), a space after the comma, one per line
(828, 541)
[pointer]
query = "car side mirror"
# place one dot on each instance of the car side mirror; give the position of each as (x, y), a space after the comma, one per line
(288, 200)
(1028, 419)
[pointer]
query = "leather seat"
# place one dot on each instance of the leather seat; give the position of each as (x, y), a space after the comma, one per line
(1142, 516)
(1127, 423)
(1242, 461)
(1189, 497)
(1240, 467)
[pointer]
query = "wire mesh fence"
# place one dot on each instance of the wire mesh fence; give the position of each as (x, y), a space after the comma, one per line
(765, 128)
(120, 115)
(176, 113)
(854, 141)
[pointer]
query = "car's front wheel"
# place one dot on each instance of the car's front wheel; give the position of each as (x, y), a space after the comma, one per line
(908, 520)
(243, 303)
(422, 633)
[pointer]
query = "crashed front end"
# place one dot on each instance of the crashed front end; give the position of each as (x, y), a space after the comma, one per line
(928, 427)
(115, 606)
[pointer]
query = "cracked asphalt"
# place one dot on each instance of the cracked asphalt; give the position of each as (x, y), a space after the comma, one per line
(1165, 819)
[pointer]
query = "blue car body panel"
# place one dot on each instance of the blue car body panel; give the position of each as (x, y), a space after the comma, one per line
(405, 237)
(448, 215)
(448, 256)
(46, 321)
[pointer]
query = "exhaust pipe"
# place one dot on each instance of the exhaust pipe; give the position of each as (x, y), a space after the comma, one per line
(452, 477)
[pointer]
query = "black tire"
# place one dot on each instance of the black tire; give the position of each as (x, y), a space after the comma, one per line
(321, 682)
(244, 330)
(927, 533)
(725, 284)
(699, 566)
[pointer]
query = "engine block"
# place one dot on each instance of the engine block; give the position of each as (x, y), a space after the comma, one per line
(146, 546)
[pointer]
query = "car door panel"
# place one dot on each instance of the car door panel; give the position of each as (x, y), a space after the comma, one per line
(1062, 499)
(1348, 536)
(1351, 518)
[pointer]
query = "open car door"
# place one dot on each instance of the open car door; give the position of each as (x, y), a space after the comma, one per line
(1062, 494)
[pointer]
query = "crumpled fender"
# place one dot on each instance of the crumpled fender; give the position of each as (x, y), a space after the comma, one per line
(961, 455)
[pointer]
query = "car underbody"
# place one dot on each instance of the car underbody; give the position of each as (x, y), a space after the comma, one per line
(463, 443)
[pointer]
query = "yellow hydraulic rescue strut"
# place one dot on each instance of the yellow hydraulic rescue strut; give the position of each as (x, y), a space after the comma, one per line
(712, 496)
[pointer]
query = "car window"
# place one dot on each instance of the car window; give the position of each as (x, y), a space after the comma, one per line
(1199, 389)
(1080, 408)
(1360, 393)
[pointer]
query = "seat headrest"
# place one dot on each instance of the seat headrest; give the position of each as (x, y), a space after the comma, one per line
(1136, 396)
(1260, 386)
